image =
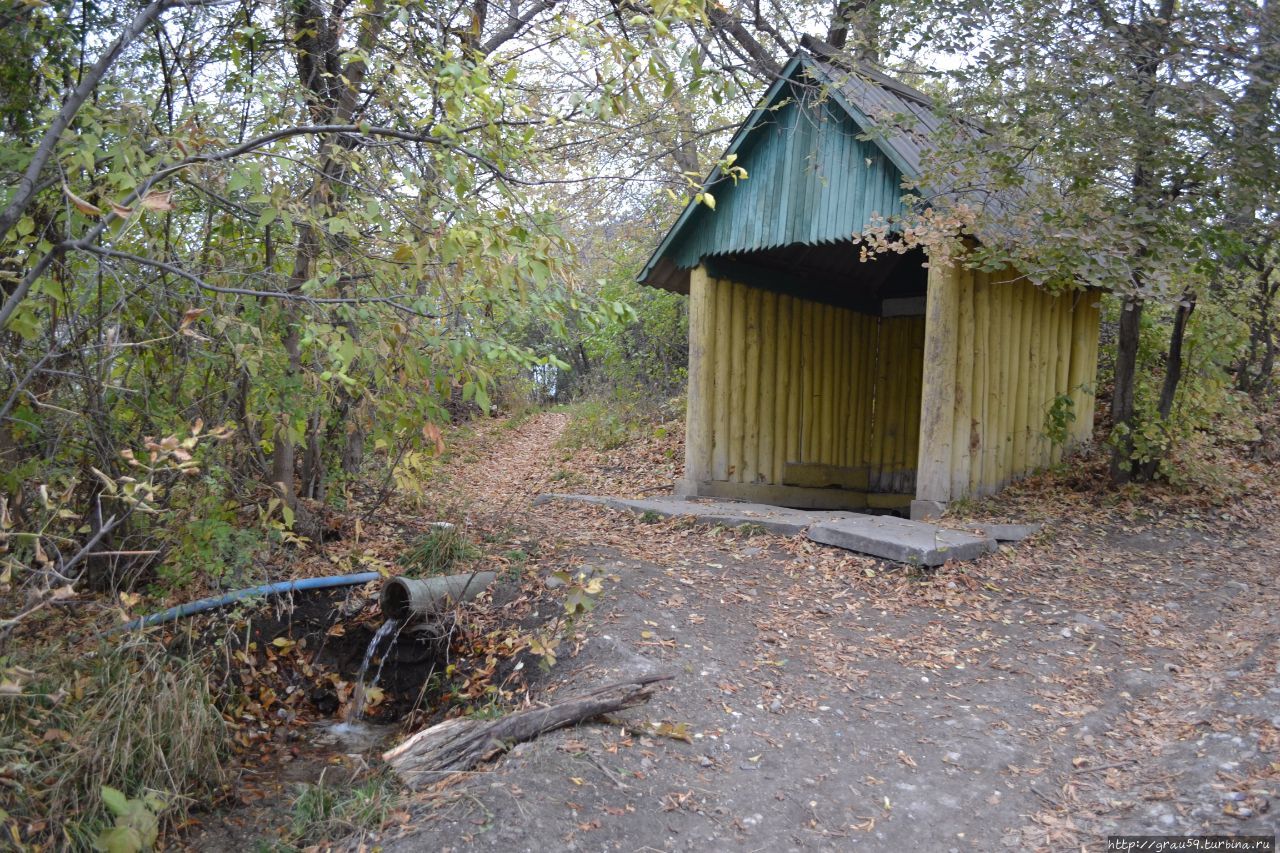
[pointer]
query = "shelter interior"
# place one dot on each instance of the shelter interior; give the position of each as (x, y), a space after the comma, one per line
(817, 367)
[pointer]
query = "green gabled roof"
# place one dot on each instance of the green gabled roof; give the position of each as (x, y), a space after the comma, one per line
(826, 152)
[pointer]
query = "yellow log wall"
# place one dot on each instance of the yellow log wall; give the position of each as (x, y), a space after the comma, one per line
(1016, 349)
(778, 381)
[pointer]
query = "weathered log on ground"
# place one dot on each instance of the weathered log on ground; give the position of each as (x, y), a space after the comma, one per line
(460, 744)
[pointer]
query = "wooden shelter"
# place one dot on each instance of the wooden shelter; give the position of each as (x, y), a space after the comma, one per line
(819, 380)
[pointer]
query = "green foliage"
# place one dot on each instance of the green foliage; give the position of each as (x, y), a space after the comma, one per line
(436, 551)
(198, 248)
(78, 729)
(137, 822)
(1123, 161)
(648, 350)
(211, 543)
(414, 477)
(1059, 418)
(581, 591)
(600, 424)
(1208, 409)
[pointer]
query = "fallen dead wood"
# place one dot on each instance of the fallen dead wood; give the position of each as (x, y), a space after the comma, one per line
(460, 744)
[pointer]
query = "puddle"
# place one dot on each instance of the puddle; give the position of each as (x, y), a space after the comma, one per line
(353, 736)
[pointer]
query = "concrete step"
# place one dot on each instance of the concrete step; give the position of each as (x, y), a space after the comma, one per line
(915, 542)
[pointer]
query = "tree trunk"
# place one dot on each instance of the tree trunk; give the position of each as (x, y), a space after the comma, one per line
(855, 28)
(1172, 372)
(1146, 49)
(1251, 179)
(313, 458)
(353, 449)
(282, 451)
(1256, 366)
(1122, 395)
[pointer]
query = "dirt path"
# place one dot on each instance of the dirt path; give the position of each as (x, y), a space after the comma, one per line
(504, 467)
(1116, 677)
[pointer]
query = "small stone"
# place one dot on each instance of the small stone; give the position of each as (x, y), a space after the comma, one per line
(705, 761)
(1167, 819)
(1066, 633)
(553, 582)
(776, 705)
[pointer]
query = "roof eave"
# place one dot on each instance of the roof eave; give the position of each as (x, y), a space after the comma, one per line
(766, 103)
(802, 59)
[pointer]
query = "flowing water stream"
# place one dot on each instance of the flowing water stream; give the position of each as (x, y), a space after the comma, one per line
(356, 713)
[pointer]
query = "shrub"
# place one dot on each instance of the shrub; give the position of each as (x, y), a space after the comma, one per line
(602, 424)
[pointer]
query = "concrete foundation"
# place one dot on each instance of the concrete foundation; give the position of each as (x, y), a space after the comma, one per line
(897, 539)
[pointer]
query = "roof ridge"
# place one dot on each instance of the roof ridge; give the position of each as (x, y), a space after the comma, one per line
(826, 55)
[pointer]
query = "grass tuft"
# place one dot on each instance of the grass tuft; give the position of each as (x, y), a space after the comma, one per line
(128, 716)
(437, 550)
(323, 811)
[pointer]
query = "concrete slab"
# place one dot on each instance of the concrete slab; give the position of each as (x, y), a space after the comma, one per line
(775, 519)
(1009, 532)
(883, 536)
(903, 541)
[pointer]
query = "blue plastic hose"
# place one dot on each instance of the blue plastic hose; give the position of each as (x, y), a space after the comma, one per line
(194, 607)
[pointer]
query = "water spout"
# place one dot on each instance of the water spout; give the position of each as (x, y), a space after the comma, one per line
(356, 712)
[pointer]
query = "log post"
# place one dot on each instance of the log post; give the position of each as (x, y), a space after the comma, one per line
(698, 420)
(937, 398)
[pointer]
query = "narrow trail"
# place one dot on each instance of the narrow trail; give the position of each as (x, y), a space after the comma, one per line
(504, 468)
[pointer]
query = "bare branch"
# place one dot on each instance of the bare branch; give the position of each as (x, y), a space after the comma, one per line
(173, 269)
